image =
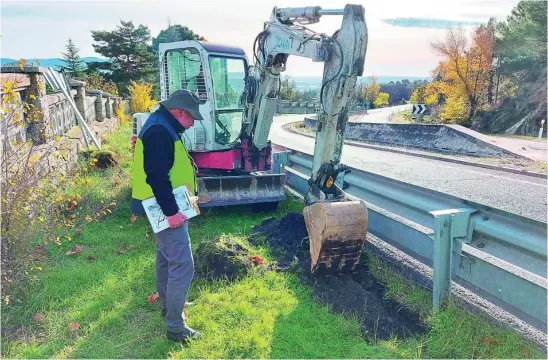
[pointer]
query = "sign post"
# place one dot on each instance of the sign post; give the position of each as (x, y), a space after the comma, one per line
(540, 130)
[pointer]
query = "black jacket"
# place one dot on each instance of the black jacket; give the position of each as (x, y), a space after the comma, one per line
(158, 153)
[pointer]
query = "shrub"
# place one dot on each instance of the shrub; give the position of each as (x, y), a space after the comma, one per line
(121, 113)
(141, 99)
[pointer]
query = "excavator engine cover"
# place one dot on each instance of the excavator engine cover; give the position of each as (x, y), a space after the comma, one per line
(336, 231)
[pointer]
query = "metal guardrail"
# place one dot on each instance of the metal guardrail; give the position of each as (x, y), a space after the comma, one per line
(497, 255)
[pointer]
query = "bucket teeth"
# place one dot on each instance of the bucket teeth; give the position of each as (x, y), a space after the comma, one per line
(337, 232)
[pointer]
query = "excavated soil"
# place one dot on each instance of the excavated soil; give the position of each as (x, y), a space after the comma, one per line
(360, 293)
(223, 259)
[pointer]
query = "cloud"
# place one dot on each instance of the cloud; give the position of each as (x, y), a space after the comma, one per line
(430, 23)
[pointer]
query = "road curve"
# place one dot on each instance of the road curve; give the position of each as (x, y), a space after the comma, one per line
(519, 194)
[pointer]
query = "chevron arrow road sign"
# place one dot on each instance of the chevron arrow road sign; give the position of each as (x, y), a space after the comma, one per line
(419, 109)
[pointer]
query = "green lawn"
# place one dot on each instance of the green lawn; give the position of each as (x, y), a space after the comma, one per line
(265, 314)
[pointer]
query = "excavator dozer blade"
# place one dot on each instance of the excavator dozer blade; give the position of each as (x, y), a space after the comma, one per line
(336, 231)
(254, 188)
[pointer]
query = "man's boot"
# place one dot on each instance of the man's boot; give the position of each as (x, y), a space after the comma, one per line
(184, 335)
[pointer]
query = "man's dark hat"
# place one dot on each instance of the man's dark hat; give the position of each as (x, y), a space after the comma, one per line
(184, 99)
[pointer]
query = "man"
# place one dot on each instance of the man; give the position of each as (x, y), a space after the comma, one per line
(162, 163)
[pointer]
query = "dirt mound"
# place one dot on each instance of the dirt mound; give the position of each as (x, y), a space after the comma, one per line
(287, 237)
(223, 259)
(360, 293)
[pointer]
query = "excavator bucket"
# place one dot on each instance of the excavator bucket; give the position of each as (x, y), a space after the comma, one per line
(336, 231)
(256, 188)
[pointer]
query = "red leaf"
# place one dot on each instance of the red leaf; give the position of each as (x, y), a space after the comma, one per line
(74, 326)
(256, 259)
(133, 218)
(38, 316)
(75, 250)
(153, 298)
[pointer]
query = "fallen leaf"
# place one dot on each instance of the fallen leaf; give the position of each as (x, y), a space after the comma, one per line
(153, 298)
(147, 235)
(74, 326)
(38, 316)
(75, 250)
(116, 180)
(92, 258)
(256, 259)
(133, 218)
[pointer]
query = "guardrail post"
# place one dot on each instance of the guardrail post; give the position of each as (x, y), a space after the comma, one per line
(279, 159)
(451, 229)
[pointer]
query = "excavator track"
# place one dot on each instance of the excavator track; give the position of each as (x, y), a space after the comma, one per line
(337, 232)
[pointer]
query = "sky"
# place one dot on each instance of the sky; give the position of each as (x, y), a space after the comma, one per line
(399, 31)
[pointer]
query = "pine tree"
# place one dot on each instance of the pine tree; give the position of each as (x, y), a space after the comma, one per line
(129, 54)
(73, 64)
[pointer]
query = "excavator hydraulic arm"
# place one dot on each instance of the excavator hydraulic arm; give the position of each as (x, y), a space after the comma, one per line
(337, 227)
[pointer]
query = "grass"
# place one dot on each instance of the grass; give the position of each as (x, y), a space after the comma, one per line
(263, 315)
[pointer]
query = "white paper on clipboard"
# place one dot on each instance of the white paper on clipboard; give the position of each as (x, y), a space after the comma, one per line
(157, 218)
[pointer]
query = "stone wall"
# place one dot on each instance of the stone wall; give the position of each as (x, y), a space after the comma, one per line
(51, 121)
(297, 107)
(51, 114)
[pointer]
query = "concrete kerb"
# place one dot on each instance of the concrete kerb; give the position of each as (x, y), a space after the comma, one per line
(287, 127)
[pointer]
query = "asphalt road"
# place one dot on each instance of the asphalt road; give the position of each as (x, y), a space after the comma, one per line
(519, 194)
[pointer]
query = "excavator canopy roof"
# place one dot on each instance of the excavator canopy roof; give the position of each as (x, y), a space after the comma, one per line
(220, 48)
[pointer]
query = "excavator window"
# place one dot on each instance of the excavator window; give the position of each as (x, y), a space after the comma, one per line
(228, 76)
(184, 70)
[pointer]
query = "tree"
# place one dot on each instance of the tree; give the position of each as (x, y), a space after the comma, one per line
(174, 33)
(522, 40)
(467, 69)
(73, 64)
(288, 89)
(419, 95)
(381, 100)
(398, 93)
(129, 54)
(358, 95)
(371, 90)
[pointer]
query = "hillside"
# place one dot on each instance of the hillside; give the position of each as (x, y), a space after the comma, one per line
(520, 114)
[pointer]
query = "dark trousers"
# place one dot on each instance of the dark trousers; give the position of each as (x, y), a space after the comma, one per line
(174, 273)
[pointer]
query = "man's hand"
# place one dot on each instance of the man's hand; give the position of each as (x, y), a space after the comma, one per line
(176, 220)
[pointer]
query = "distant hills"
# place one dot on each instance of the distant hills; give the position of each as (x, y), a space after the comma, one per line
(314, 82)
(302, 82)
(51, 62)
